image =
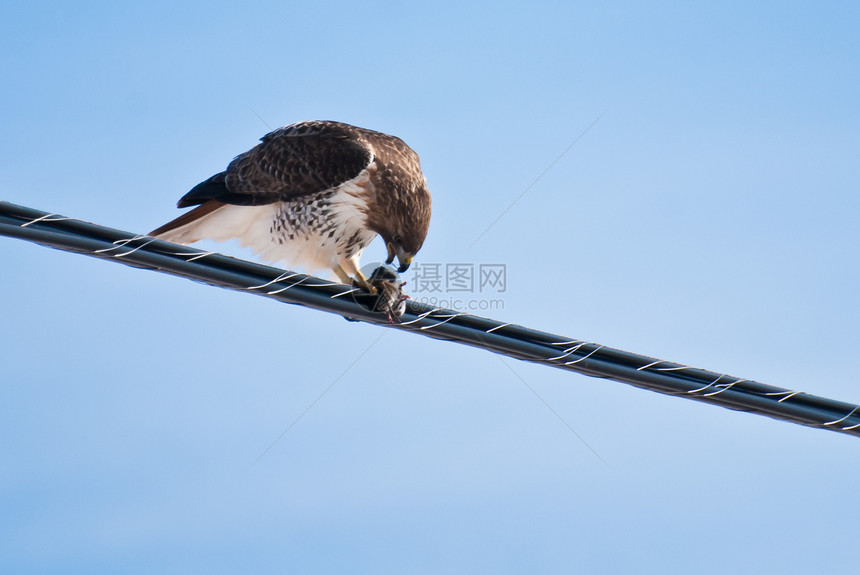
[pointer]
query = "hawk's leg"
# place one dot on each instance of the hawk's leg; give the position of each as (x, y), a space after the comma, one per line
(342, 275)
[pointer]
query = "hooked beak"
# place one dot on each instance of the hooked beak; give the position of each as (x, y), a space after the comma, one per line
(404, 264)
(404, 259)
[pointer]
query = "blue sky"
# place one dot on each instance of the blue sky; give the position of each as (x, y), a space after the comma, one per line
(708, 217)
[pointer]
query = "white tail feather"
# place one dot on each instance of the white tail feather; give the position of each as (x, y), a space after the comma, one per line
(225, 223)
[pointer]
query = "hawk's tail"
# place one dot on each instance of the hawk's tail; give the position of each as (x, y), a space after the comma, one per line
(214, 220)
(190, 226)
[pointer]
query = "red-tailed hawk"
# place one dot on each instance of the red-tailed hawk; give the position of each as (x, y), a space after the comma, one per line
(313, 194)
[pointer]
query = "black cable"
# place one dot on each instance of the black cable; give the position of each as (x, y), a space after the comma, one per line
(583, 357)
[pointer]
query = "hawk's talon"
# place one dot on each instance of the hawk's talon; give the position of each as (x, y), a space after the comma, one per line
(366, 286)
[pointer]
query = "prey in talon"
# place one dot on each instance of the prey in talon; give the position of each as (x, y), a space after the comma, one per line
(390, 298)
(387, 296)
(315, 195)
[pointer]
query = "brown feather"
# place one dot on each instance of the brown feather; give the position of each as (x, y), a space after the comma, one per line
(188, 217)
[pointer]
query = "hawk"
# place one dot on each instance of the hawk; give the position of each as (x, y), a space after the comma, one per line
(313, 194)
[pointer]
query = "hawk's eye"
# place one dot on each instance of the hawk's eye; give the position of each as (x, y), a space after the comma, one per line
(398, 239)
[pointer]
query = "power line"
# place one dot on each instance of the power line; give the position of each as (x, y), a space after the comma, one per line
(587, 358)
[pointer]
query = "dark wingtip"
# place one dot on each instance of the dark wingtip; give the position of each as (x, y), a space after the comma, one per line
(211, 189)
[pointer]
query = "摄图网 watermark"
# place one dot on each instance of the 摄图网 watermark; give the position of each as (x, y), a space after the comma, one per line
(448, 285)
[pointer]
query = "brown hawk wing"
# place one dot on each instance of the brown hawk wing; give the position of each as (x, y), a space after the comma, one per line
(290, 162)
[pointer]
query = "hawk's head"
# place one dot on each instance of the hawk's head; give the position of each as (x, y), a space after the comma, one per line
(399, 205)
(404, 226)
